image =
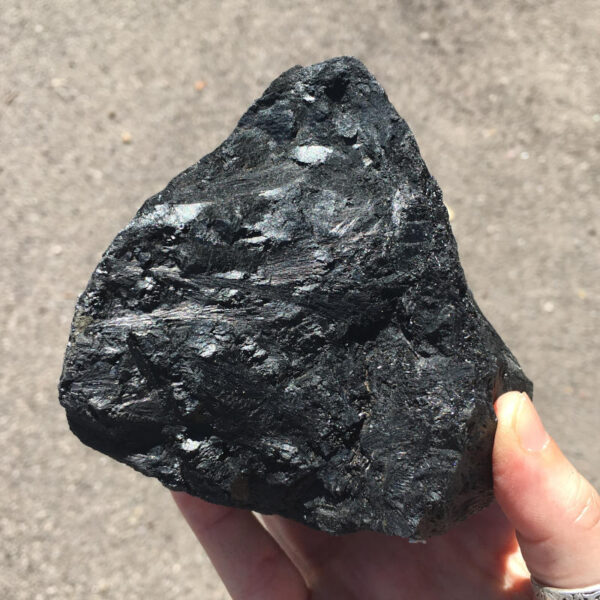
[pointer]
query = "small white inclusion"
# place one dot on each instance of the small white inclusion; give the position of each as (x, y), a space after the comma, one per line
(311, 154)
(208, 350)
(190, 445)
(187, 212)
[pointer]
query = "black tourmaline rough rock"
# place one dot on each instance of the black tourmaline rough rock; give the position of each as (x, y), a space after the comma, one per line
(286, 327)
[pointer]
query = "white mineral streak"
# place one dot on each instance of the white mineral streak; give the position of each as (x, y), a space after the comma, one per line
(311, 155)
(274, 193)
(175, 216)
(344, 227)
(253, 241)
(396, 207)
(184, 311)
(231, 274)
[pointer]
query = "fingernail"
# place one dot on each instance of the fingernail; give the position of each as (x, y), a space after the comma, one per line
(529, 427)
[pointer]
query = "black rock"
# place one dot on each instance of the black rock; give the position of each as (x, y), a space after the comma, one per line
(286, 327)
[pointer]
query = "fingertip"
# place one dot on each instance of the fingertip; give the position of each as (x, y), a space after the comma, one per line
(516, 472)
(507, 405)
(177, 496)
(184, 501)
(182, 497)
(553, 509)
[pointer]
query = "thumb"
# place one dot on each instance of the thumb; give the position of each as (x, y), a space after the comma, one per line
(554, 509)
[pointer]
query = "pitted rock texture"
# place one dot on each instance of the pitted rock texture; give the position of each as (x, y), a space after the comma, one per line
(286, 327)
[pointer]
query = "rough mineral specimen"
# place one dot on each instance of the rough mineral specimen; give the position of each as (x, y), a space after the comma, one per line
(286, 327)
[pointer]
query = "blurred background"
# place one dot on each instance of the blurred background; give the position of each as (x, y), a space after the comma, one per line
(102, 103)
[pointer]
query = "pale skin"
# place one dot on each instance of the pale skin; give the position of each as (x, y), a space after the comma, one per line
(545, 522)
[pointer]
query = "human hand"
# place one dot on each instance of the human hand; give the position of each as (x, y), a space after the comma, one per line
(555, 511)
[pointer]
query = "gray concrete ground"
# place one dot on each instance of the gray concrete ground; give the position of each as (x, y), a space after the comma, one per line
(99, 109)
